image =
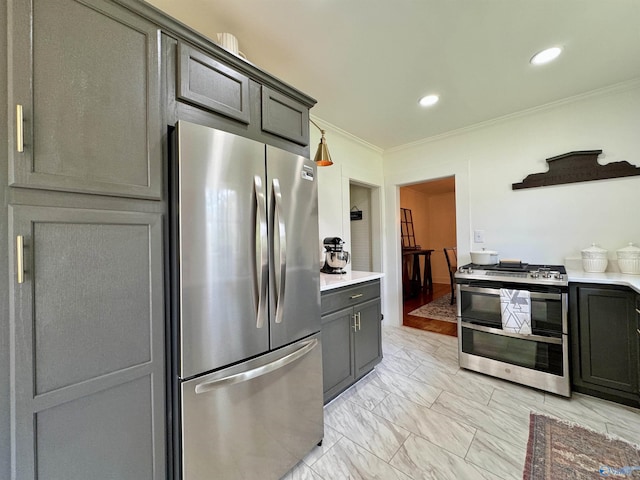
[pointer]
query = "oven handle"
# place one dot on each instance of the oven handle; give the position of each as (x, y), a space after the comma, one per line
(498, 331)
(496, 291)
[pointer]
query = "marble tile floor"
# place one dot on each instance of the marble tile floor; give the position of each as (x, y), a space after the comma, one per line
(419, 416)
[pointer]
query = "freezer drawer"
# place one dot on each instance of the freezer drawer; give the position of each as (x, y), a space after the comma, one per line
(256, 419)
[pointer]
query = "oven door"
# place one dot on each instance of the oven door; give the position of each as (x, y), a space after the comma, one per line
(481, 335)
(544, 354)
(480, 305)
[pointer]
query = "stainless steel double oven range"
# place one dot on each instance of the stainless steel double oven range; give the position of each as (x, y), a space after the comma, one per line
(539, 359)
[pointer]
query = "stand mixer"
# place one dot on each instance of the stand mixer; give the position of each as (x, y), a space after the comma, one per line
(335, 258)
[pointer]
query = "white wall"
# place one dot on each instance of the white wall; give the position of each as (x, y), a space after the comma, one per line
(538, 225)
(353, 161)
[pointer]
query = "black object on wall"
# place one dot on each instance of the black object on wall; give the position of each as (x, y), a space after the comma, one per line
(574, 167)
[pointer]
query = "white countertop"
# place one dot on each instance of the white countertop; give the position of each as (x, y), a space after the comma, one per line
(329, 281)
(611, 277)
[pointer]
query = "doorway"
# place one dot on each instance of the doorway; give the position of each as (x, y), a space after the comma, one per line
(360, 227)
(431, 206)
(364, 232)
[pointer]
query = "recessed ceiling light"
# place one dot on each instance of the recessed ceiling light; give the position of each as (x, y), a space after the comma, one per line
(429, 100)
(545, 56)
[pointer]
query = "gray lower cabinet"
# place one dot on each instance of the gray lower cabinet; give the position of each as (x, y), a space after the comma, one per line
(87, 336)
(351, 335)
(338, 369)
(605, 342)
(84, 98)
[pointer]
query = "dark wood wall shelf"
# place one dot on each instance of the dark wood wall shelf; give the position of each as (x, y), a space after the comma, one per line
(573, 167)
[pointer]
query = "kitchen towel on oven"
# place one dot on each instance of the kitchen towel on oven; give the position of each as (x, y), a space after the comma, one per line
(515, 308)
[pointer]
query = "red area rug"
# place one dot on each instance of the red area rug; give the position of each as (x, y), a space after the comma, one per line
(559, 450)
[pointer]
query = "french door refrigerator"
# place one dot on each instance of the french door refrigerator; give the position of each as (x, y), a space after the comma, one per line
(247, 389)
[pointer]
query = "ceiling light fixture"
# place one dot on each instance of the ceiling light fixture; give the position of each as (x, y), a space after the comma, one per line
(429, 100)
(545, 56)
(322, 158)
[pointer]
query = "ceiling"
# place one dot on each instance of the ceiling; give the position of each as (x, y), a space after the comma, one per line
(434, 187)
(367, 62)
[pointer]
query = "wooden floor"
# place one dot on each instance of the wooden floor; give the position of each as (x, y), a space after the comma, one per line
(423, 297)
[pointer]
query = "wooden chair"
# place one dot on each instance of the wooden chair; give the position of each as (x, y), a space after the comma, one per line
(451, 255)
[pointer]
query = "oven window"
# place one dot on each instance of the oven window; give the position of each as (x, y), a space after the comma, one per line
(544, 357)
(483, 308)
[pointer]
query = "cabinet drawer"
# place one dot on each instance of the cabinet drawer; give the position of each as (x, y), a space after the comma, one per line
(345, 297)
(211, 85)
(284, 117)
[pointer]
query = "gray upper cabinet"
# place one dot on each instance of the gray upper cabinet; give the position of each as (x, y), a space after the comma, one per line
(84, 98)
(87, 329)
(211, 85)
(206, 89)
(285, 117)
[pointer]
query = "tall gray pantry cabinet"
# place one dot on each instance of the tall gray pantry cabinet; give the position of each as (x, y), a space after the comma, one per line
(84, 344)
(93, 89)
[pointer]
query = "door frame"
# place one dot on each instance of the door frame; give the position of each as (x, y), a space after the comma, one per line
(375, 225)
(428, 171)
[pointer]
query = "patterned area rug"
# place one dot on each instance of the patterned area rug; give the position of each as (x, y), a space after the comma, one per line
(439, 309)
(562, 450)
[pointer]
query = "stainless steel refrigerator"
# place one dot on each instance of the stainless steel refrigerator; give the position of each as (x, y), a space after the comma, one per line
(247, 354)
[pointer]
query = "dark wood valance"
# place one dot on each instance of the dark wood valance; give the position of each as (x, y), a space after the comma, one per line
(576, 167)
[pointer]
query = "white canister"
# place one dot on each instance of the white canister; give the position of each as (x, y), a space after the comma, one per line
(229, 42)
(594, 259)
(629, 259)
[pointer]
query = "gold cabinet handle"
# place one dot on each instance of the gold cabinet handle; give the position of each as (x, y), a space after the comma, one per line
(355, 320)
(20, 258)
(358, 320)
(19, 129)
(358, 295)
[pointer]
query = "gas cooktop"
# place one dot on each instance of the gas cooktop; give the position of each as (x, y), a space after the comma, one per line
(517, 272)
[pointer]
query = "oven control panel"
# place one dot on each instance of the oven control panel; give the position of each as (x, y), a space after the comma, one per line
(531, 274)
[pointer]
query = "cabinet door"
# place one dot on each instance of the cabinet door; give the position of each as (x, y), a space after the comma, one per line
(368, 337)
(86, 75)
(284, 117)
(607, 338)
(87, 328)
(337, 352)
(211, 85)
(637, 326)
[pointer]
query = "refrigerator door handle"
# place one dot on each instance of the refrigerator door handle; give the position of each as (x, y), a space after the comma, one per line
(263, 247)
(258, 371)
(282, 251)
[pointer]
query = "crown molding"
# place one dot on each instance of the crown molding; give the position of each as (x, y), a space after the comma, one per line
(616, 88)
(347, 135)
